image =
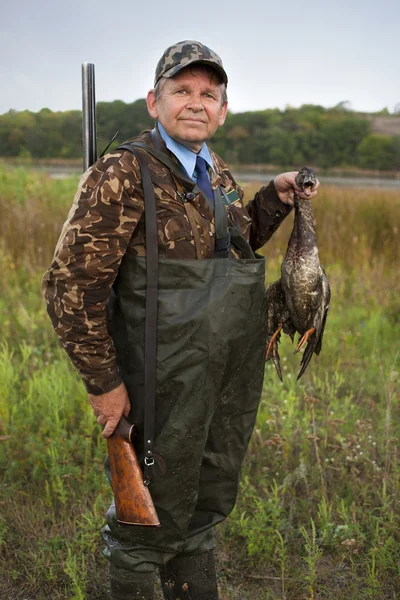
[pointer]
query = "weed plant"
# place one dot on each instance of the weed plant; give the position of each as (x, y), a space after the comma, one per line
(317, 515)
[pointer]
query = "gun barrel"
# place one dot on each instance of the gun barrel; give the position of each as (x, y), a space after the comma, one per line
(88, 116)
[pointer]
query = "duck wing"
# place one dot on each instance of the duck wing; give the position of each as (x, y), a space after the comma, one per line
(326, 299)
(314, 344)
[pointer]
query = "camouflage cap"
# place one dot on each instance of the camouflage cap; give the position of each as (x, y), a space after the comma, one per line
(188, 52)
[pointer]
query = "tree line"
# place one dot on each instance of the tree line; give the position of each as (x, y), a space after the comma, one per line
(311, 134)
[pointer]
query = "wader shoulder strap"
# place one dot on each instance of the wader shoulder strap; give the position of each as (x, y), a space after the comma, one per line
(150, 330)
(240, 242)
(237, 239)
(222, 235)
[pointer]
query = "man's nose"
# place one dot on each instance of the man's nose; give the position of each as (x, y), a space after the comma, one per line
(195, 102)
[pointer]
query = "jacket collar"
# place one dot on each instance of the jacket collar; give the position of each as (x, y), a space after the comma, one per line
(185, 156)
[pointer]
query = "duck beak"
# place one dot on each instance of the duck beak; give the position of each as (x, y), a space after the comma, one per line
(308, 189)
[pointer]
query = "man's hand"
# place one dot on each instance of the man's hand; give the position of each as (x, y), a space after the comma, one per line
(109, 408)
(286, 187)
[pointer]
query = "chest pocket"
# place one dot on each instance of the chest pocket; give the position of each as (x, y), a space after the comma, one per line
(187, 238)
(175, 227)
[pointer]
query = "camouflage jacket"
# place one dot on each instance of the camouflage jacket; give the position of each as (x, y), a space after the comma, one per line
(105, 220)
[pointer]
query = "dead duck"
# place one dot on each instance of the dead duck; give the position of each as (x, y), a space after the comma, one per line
(299, 300)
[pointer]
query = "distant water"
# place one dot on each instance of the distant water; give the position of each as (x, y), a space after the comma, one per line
(64, 171)
(363, 182)
(59, 171)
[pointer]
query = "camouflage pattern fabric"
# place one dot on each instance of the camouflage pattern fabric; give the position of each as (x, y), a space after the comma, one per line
(185, 53)
(106, 220)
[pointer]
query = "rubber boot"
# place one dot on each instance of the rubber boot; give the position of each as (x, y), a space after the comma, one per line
(129, 585)
(190, 578)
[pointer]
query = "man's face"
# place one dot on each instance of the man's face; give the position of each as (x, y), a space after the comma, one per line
(190, 107)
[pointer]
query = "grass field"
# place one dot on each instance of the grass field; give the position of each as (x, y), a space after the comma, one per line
(318, 512)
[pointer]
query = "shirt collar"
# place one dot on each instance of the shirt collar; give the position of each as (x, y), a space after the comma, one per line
(186, 157)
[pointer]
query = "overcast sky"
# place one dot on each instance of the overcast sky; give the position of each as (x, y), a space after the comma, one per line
(275, 53)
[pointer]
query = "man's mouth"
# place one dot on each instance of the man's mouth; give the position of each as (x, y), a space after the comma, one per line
(193, 120)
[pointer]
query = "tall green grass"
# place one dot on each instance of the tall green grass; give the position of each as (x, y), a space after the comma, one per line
(317, 515)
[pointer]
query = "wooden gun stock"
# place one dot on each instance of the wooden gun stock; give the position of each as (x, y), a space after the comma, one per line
(133, 502)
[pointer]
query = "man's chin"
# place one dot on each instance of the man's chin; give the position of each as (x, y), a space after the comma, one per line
(191, 137)
(193, 133)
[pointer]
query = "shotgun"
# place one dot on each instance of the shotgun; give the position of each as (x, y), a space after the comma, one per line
(133, 502)
(89, 138)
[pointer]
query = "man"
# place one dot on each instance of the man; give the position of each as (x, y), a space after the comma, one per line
(211, 322)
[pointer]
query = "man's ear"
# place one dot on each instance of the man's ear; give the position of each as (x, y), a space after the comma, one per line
(151, 102)
(222, 116)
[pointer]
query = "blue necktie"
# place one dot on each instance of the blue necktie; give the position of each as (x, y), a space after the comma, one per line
(203, 180)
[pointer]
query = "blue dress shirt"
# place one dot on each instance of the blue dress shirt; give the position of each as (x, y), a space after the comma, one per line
(186, 157)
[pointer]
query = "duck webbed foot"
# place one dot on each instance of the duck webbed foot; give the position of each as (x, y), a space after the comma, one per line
(272, 351)
(308, 352)
(304, 339)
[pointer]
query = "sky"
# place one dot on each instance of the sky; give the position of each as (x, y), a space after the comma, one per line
(275, 53)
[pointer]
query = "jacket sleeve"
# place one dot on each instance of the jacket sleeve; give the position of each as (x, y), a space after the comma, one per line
(106, 210)
(267, 212)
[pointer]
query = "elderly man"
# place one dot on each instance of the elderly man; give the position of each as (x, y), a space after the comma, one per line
(158, 297)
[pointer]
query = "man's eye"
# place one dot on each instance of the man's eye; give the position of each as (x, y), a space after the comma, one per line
(208, 95)
(180, 92)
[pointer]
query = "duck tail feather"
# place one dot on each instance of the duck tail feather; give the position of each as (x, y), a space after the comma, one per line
(308, 352)
(327, 296)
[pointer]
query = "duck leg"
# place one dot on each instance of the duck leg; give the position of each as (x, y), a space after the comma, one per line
(273, 343)
(304, 339)
(272, 348)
